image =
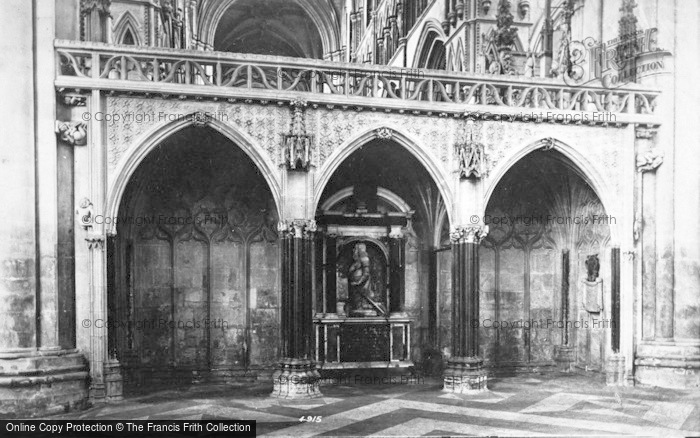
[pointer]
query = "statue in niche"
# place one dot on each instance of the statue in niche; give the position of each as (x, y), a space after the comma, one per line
(593, 286)
(364, 299)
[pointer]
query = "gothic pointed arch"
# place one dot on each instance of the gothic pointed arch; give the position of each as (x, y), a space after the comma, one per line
(574, 160)
(317, 21)
(127, 31)
(152, 139)
(431, 46)
(398, 138)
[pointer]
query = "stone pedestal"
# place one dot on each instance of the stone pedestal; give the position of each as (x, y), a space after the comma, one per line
(615, 370)
(114, 383)
(564, 357)
(465, 375)
(296, 379)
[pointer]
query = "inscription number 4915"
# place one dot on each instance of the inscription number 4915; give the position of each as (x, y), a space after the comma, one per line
(310, 419)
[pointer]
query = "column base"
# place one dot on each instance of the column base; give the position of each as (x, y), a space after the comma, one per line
(296, 379)
(114, 383)
(564, 357)
(39, 383)
(615, 370)
(672, 364)
(465, 375)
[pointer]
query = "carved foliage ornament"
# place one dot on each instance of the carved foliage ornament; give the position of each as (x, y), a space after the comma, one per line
(384, 133)
(72, 133)
(469, 234)
(297, 229)
(296, 145)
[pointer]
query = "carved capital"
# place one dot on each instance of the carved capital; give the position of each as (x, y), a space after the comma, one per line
(645, 132)
(650, 160)
(297, 228)
(72, 133)
(469, 234)
(95, 241)
(70, 98)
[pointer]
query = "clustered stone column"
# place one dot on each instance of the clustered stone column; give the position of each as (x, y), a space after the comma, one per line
(297, 376)
(464, 372)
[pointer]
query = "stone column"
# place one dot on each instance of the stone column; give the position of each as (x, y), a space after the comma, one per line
(38, 375)
(397, 266)
(297, 376)
(464, 372)
(615, 367)
(564, 353)
(649, 158)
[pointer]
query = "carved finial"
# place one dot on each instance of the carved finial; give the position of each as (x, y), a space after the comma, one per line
(471, 155)
(297, 143)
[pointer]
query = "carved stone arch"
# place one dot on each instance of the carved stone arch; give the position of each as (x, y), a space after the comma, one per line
(130, 162)
(432, 31)
(578, 163)
(424, 157)
(127, 24)
(321, 13)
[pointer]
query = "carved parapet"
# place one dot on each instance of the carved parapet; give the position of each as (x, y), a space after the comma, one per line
(72, 133)
(469, 234)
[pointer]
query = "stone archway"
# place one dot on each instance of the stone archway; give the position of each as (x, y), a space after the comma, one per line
(393, 203)
(539, 305)
(196, 214)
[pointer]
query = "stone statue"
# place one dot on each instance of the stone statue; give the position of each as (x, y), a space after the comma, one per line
(593, 267)
(361, 290)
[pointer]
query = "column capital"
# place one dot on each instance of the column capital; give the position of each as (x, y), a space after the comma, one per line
(297, 228)
(469, 234)
(646, 132)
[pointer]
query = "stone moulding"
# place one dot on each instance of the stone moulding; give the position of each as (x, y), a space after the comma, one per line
(255, 77)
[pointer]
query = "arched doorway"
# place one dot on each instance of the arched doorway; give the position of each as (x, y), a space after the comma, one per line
(536, 297)
(185, 301)
(276, 27)
(382, 211)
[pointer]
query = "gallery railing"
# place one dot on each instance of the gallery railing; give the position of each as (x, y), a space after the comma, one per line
(144, 69)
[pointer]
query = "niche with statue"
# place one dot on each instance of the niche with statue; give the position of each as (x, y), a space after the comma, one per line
(360, 319)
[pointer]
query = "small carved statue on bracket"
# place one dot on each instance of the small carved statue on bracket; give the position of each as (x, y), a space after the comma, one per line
(74, 134)
(470, 156)
(593, 286)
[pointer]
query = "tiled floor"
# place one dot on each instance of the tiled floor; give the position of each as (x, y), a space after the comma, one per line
(520, 406)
